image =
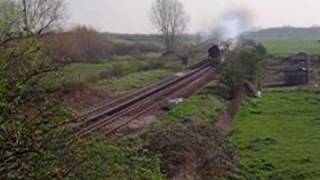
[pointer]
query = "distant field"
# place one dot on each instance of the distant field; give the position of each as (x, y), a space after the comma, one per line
(83, 72)
(133, 81)
(278, 136)
(285, 47)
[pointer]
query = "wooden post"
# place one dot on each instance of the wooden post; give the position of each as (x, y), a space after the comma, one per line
(308, 68)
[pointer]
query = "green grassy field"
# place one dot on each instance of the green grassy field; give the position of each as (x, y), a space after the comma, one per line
(285, 47)
(278, 136)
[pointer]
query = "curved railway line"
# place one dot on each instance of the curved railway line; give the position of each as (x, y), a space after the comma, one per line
(111, 117)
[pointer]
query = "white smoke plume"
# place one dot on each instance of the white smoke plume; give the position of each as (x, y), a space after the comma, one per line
(231, 25)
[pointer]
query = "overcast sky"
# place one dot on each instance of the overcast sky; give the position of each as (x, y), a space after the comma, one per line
(132, 16)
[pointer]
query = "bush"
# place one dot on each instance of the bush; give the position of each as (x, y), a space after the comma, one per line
(128, 159)
(154, 64)
(200, 152)
(243, 65)
(105, 75)
(125, 68)
(31, 142)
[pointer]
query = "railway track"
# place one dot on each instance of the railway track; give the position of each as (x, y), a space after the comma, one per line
(188, 90)
(113, 116)
(96, 113)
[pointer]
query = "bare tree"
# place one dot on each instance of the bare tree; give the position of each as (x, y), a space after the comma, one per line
(41, 15)
(34, 17)
(170, 18)
(10, 20)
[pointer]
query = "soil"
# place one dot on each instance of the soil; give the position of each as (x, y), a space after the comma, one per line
(84, 99)
(139, 124)
(225, 119)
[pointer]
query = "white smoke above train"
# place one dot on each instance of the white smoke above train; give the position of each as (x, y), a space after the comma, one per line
(230, 25)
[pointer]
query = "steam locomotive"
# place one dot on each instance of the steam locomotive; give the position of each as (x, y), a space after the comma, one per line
(215, 53)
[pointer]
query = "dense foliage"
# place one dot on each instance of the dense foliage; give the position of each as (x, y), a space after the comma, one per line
(191, 151)
(128, 159)
(35, 137)
(29, 117)
(84, 44)
(35, 142)
(243, 65)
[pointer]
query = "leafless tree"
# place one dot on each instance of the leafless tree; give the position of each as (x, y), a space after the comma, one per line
(41, 15)
(35, 17)
(10, 20)
(170, 18)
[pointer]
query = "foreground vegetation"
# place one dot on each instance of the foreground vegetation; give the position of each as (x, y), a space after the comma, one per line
(189, 145)
(278, 136)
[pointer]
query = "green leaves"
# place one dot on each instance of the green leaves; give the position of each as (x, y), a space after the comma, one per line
(127, 159)
(3, 90)
(243, 65)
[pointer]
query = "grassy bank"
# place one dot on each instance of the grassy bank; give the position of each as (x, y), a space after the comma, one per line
(189, 145)
(278, 136)
(202, 107)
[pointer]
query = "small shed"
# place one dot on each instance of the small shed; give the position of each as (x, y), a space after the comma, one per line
(296, 76)
(296, 69)
(186, 60)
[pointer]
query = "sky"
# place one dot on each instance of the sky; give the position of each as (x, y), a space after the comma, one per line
(132, 16)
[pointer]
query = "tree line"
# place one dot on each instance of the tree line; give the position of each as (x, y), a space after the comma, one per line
(85, 44)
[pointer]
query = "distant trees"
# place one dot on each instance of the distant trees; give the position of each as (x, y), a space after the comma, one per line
(85, 44)
(80, 44)
(171, 20)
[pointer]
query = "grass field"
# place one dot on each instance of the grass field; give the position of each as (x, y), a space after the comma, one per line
(285, 47)
(278, 136)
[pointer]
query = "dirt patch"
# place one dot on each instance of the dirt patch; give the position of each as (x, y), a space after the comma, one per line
(139, 124)
(84, 99)
(225, 119)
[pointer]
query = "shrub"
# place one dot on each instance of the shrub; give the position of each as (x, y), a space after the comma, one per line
(31, 142)
(105, 74)
(153, 64)
(124, 68)
(127, 159)
(201, 152)
(243, 65)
